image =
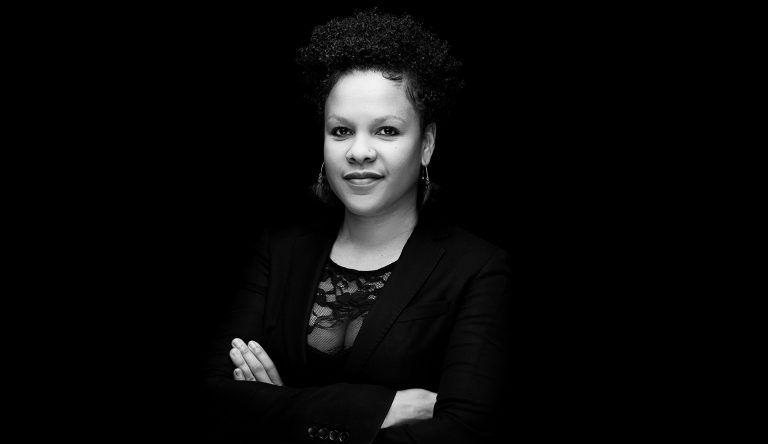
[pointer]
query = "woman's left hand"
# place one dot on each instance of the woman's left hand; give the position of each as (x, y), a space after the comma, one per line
(253, 363)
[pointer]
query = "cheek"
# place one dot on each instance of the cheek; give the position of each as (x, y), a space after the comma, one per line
(405, 166)
(407, 155)
(326, 152)
(333, 154)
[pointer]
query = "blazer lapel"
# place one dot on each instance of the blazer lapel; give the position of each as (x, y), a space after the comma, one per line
(309, 253)
(419, 257)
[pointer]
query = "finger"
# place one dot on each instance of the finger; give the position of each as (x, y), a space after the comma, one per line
(266, 361)
(238, 375)
(239, 361)
(257, 369)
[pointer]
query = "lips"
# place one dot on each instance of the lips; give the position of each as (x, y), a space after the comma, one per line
(362, 175)
(362, 178)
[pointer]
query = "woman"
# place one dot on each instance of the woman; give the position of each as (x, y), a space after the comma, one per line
(384, 323)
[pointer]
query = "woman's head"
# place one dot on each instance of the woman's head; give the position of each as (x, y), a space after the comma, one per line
(382, 83)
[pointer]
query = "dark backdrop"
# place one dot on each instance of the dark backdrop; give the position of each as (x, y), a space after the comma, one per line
(210, 140)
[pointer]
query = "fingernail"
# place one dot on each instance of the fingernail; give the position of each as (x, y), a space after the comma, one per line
(253, 344)
(237, 342)
(237, 372)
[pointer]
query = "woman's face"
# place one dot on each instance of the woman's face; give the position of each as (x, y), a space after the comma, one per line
(374, 144)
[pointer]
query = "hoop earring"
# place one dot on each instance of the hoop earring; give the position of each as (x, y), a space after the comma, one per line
(321, 188)
(427, 186)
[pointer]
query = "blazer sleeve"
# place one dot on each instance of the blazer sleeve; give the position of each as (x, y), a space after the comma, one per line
(474, 394)
(242, 411)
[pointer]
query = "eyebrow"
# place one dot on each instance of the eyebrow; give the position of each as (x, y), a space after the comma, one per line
(378, 121)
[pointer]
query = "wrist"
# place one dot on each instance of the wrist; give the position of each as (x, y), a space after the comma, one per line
(395, 411)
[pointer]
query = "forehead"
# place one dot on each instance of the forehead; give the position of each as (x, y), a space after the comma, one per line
(368, 94)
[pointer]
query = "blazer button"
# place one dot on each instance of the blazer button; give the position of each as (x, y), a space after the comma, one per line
(322, 433)
(312, 432)
(334, 435)
(343, 436)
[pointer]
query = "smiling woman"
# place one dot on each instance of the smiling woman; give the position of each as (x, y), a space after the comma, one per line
(374, 146)
(381, 323)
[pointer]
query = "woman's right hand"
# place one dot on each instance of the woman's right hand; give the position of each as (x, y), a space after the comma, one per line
(410, 406)
(253, 363)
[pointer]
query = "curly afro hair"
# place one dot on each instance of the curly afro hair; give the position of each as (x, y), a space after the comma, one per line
(399, 47)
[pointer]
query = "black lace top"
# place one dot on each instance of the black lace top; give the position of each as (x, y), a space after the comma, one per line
(342, 301)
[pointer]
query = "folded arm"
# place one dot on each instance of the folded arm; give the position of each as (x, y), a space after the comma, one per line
(468, 404)
(257, 400)
(473, 397)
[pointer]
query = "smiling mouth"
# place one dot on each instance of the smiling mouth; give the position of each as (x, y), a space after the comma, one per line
(363, 181)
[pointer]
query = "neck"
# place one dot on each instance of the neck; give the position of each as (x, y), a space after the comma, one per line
(379, 230)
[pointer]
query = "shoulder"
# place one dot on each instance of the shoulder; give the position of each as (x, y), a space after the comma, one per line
(467, 263)
(467, 247)
(463, 252)
(458, 237)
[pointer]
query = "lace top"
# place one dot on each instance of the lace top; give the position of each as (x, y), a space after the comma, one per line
(342, 301)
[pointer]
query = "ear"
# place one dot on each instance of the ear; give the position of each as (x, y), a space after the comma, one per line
(428, 143)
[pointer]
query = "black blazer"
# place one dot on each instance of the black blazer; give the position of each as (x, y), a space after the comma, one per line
(439, 324)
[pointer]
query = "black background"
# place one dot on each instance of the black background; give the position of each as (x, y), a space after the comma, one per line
(202, 138)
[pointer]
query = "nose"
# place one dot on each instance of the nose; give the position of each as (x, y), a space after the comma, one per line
(361, 151)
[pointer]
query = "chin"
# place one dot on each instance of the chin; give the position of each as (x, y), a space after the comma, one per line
(363, 205)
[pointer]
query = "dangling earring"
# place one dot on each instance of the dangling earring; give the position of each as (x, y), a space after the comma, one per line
(427, 186)
(320, 188)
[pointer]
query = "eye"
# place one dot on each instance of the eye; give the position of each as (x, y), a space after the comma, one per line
(388, 131)
(341, 131)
